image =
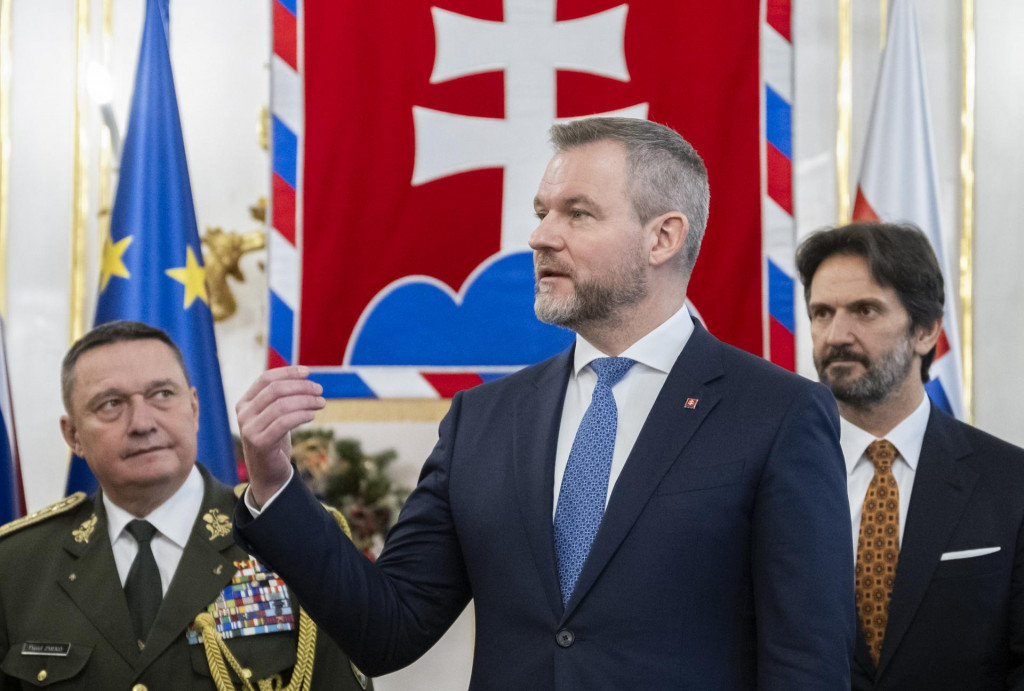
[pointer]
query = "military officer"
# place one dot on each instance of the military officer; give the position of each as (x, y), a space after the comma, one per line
(142, 586)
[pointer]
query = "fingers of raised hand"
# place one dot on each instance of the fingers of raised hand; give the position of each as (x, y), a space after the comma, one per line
(293, 373)
(277, 402)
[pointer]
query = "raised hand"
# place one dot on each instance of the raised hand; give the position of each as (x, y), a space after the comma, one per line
(278, 401)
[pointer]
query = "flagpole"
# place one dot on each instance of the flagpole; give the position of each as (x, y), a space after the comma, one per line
(883, 8)
(80, 176)
(844, 102)
(107, 145)
(5, 140)
(967, 218)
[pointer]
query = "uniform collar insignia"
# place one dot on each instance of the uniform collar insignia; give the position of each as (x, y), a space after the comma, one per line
(83, 532)
(218, 524)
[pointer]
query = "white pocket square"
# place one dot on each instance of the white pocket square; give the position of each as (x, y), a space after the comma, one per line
(968, 553)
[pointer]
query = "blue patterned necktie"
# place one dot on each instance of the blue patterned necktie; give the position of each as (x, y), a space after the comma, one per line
(581, 498)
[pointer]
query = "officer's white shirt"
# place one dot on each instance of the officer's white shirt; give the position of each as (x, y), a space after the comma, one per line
(173, 520)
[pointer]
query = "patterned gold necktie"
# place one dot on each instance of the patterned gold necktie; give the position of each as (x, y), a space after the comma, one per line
(878, 546)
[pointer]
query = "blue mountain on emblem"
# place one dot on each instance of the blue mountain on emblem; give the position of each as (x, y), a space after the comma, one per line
(422, 323)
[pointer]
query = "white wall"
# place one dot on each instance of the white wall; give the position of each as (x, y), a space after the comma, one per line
(999, 242)
(219, 52)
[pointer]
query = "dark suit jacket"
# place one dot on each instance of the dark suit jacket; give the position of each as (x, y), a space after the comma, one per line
(957, 624)
(722, 562)
(56, 589)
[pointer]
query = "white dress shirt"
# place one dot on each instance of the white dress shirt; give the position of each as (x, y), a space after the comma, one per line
(173, 521)
(655, 354)
(907, 437)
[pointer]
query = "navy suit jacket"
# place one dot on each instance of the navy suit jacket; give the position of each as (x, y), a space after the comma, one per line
(723, 560)
(956, 624)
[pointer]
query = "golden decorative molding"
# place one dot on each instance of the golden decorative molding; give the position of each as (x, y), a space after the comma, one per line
(105, 190)
(384, 410)
(883, 9)
(223, 252)
(5, 141)
(263, 128)
(967, 104)
(844, 111)
(80, 176)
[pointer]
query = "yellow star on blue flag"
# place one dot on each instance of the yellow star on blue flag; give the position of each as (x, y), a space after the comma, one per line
(112, 260)
(193, 277)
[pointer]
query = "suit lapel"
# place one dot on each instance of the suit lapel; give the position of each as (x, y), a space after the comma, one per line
(861, 653)
(538, 413)
(941, 490)
(205, 569)
(90, 579)
(668, 428)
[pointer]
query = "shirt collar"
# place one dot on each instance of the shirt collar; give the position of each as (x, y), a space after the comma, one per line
(907, 437)
(658, 350)
(173, 519)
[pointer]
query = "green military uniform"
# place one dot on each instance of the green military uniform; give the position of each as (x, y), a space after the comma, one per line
(64, 621)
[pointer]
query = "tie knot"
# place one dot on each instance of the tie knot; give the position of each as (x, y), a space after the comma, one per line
(142, 531)
(881, 453)
(611, 370)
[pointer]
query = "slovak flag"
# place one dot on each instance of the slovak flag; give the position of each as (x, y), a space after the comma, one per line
(899, 180)
(12, 495)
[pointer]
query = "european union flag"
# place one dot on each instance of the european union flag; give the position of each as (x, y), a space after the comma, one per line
(151, 269)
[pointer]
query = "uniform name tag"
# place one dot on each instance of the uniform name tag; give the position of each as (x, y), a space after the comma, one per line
(47, 649)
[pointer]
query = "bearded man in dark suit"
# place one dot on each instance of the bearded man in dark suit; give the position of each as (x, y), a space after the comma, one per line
(651, 509)
(937, 506)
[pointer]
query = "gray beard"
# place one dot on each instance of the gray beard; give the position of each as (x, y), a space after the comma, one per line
(590, 303)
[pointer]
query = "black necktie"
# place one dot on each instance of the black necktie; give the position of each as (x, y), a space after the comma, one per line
(142, 587)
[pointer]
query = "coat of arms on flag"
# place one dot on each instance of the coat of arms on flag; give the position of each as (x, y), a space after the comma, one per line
(407, 148)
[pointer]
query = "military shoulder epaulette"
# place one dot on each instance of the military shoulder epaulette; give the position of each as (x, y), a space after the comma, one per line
(63, 506)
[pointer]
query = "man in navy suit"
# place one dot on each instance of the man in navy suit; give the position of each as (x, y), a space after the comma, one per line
(652, 509)
(937, 506)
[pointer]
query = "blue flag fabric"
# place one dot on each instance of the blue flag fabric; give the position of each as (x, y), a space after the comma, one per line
(12, 496)
(152, 263)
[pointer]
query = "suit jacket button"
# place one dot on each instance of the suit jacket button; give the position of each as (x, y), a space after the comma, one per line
(140, 687)
(565, 638)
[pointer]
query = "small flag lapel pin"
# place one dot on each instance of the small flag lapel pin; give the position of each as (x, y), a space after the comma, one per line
(690, 404)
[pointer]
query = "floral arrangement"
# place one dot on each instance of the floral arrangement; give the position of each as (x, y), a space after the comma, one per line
(339, 473)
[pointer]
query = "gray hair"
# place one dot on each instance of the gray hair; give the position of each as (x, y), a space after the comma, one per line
(105, 334)
(664, 172)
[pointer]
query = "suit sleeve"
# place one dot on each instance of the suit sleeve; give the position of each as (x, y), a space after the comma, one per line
(802, 559)
(384, 615)
(1015, 678)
